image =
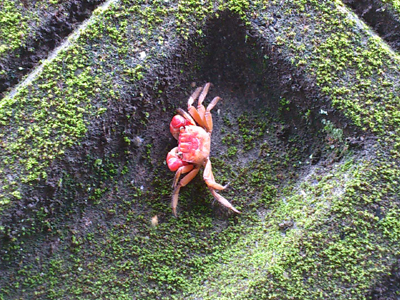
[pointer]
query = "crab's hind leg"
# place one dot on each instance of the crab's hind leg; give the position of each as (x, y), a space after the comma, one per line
(186, 116)
(192, 110)
(212, 185)
(208, 122)
(223, 201)
(184, 181)
(198, 114)
(200, 106)
(209, 177)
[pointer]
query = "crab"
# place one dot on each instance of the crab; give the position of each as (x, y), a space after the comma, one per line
(193, 132)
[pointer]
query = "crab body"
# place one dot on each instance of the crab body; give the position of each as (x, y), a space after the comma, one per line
(193, 132)
(194, 144)
(193, 148)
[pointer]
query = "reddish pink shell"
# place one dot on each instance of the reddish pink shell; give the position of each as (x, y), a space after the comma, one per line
(194, 144)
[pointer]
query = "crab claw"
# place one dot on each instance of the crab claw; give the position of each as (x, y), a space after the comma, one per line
(177, 122)
(174, 164)
(173, 160)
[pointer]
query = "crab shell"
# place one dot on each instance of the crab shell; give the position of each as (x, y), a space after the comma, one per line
(193, 148)
(194, 144)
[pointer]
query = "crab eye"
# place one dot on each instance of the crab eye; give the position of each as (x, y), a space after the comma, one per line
(178, 121)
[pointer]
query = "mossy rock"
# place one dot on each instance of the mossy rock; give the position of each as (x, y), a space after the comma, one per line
(29, 30)
(307, 135)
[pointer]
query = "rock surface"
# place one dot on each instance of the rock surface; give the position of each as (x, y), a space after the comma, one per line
(307, 135)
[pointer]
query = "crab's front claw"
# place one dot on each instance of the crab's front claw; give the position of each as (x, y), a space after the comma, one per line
(173, 160)
(180, 121)
(176, 124)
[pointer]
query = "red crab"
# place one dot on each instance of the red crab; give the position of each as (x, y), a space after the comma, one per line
(193, 132)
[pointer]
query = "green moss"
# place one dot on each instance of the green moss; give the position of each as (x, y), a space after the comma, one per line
(19, 21)
(232, 151)
(13, 26)
(251, 129)
(50, 119)
(391, 225)
(305, 247)
(394, 3)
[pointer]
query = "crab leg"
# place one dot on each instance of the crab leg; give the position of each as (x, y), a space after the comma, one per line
(192, 110)
(207, 115)
(184, 181)
(223, 201)
(179, 172)
(209, 177)
(198, 114)
(200, 107)
(186, 116)
(217, 196)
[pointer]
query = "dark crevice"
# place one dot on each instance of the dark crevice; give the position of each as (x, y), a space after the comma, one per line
(46, 38)
(380, 17)
(241, 62)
